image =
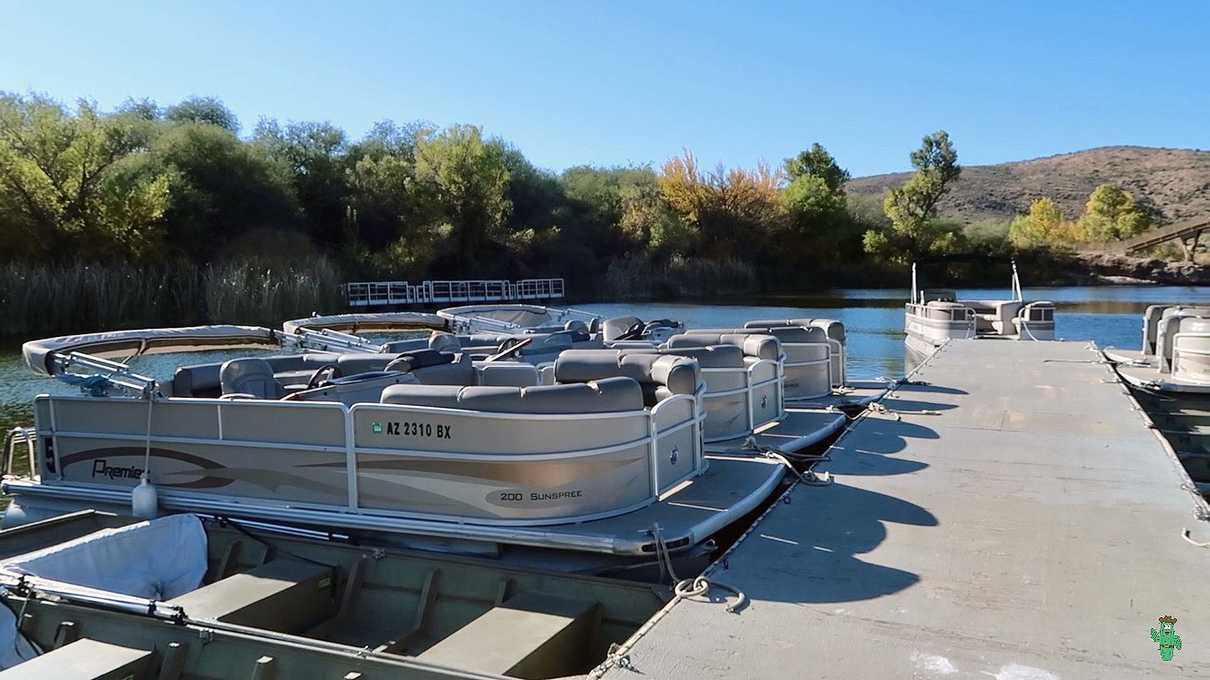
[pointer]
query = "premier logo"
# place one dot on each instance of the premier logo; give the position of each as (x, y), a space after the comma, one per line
(101, 468)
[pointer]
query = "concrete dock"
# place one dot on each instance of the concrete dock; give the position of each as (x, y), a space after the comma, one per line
(1030, 531)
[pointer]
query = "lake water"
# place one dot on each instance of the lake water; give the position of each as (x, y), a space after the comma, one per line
(873, 318)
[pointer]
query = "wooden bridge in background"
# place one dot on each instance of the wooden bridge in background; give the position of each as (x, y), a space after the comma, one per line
(1185, 233)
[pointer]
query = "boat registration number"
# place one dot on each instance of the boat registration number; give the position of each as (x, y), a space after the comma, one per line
(413, 429)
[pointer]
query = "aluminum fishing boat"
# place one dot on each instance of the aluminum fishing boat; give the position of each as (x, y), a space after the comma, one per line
(103, 596)
(1175, 353)
(935, 316)
(423, 445)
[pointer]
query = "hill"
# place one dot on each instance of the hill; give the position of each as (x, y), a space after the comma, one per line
(1174, 182)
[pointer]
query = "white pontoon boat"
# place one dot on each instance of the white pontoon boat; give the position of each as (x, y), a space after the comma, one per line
(1175, 354)
(935, 316)
(424, 443)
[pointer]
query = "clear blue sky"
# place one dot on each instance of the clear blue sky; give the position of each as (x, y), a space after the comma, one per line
(635, 82)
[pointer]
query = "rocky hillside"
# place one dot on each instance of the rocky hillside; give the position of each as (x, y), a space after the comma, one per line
(1175, 182)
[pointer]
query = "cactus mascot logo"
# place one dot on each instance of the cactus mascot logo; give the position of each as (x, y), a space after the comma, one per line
(1167, 637)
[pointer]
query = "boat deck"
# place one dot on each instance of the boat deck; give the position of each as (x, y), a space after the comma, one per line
(1030, 531)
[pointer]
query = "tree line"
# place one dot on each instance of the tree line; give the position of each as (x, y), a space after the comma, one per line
(146, 184)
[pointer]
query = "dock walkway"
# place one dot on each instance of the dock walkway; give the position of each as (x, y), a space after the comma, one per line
(1031, 531)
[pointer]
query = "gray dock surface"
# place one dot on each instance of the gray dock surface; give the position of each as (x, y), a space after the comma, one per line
(1031, 531)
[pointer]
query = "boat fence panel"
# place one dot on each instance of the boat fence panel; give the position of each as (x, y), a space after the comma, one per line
(253, 449)
(501, 466)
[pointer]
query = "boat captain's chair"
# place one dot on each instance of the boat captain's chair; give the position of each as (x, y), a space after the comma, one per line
(250, 378)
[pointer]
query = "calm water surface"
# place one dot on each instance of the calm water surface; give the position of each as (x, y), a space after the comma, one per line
(873, 318)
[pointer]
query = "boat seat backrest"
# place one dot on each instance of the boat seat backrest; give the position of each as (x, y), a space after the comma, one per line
(252, 376)
(675, 374)
(397, 346)
(832, 328)
(444, 342)
(440, 368)
(610, 395)
(757, 345)
(716, 356)
(506, 374)
(202, 380)
(611, 329)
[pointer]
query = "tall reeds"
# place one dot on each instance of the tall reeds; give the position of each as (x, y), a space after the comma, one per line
(637, 277)
(40, 299)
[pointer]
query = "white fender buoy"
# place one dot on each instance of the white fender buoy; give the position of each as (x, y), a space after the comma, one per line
(144, 501)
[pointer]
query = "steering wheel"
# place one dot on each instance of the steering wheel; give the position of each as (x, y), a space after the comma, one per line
(321, 375)
(635, 330)
(510, 350)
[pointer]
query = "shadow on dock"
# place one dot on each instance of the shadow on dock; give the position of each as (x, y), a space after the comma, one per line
(809, 552)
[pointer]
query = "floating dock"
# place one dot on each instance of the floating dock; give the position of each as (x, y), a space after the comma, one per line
(1017, 519)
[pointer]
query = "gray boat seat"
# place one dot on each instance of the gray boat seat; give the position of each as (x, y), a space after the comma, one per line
(84, 659)
(659, 376)
(797, 334)
(251, 376)
(601, 396)
(505, 374)
(755, 345)
(611, 329)
(717, 356)
(202, 380)
(831, 327)
(576, 325)
(281, 595)
(355, 363)
(444, 342)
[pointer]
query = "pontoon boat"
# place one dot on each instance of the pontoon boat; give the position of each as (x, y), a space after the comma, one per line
(420, 444)
(1175, 356)
(935, 316)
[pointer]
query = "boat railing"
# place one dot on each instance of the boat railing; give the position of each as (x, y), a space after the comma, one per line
(98, 375)
(1191, 352)
(750, 388)
(328, 340)
(348, 446)
(15, 438)
(834, 347)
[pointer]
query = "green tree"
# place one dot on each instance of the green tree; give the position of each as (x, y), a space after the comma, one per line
(467, 180)
(208, 110)
(314, 154)
(68, 186)
(817, 162)
(222, 188)
(1112, 214)
(912, 208)
(1043, 225)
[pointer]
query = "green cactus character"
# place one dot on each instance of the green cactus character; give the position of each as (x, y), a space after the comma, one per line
(1167, 637)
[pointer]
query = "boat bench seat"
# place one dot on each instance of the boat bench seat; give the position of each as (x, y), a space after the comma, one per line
(203, 380)
(659, 375)
(715, 357)
(84, 659)
(760, 345)
(602, 396)
(530, 635)
(831, 327)
(282, 595)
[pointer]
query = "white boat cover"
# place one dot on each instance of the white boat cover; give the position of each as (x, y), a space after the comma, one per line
(522, 316)
(112, 344)
(384, 321)
(160, 559)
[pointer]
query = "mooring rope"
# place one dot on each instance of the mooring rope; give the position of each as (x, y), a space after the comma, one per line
(1185, 534)
(879, 408)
